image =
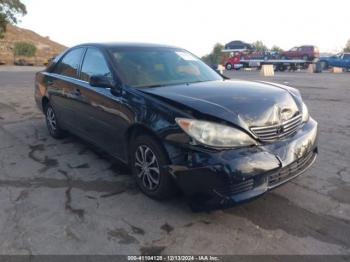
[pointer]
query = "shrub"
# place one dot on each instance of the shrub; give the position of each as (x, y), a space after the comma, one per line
(24, 49)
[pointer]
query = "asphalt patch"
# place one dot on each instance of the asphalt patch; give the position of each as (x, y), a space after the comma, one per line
(47, 162)
(167, 228)
(85, 165)
(122, 235)
(152, 251)
(274, 212)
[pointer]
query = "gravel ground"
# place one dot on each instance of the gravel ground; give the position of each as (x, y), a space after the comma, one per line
(65, 197)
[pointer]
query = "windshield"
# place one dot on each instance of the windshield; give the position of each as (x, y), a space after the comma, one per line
(152, 67)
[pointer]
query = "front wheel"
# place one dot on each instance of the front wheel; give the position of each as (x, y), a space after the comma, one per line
(305, 57)
(324, 65)
(228, 66)
(148, 161)
(52, 123)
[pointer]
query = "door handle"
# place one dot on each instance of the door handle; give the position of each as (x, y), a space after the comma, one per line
(77, 92)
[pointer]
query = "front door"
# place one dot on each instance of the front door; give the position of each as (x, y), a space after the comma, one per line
(346, 61)
(101, 112)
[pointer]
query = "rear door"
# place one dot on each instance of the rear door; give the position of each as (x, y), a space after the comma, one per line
(63, 83)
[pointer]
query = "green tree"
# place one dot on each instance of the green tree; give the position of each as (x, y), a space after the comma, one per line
(215, 56)
(9, 11)
(347, 46)
(276, 48)
(24, 49)
(259, 46)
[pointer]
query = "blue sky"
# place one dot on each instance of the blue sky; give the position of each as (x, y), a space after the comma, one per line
(193, 24)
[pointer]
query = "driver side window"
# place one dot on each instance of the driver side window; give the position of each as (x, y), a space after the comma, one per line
(94, 64)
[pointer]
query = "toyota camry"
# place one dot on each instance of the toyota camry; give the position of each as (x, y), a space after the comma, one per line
(177, 123)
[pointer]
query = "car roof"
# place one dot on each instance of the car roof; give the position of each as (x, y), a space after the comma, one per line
(127, 44)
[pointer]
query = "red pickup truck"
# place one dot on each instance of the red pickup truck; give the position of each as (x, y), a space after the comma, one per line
(305, 52)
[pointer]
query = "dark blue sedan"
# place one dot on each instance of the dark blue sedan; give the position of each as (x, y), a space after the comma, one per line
(177, 123)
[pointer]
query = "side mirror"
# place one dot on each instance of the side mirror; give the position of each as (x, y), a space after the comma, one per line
(101, 81)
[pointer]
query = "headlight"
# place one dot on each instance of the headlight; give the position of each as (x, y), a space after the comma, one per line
(214, 135)
(305, 113)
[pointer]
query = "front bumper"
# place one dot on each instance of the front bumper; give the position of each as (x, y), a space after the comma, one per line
(223, 178)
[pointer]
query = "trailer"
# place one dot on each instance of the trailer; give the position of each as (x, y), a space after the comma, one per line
(240, 59)
(278, 64)
(238, 62)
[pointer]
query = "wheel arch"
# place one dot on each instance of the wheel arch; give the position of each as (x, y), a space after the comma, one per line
(44, 102)
(141, 129)
(325, 63)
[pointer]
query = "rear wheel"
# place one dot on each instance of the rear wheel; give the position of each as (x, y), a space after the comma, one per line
(148, 161)
(281, 67)
(52, 123)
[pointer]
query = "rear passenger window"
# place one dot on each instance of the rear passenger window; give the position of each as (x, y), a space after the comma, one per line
(94, 64)
(69, 65)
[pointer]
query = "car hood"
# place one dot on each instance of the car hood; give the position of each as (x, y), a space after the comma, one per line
(242, 103)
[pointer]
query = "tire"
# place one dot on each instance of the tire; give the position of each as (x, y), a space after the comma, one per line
(52, 124)
(305, 57)
(324, 65)
(228, 66)
(281, 68)
(148, 160)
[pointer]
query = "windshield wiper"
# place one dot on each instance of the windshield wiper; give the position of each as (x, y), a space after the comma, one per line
(172, 84)
(199, 81)
(157, 85)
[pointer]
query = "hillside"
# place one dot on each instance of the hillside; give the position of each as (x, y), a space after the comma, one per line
(46, 48)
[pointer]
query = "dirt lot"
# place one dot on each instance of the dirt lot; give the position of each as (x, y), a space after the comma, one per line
(64, 197)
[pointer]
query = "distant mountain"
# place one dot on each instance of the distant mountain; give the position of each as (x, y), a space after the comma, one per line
(46, 48)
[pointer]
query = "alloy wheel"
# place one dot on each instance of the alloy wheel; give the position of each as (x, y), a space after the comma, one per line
(147, 167)
(51, 119)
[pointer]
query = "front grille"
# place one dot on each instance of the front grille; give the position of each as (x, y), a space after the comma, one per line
(277, 132)
(293, 169)
(233, 188)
